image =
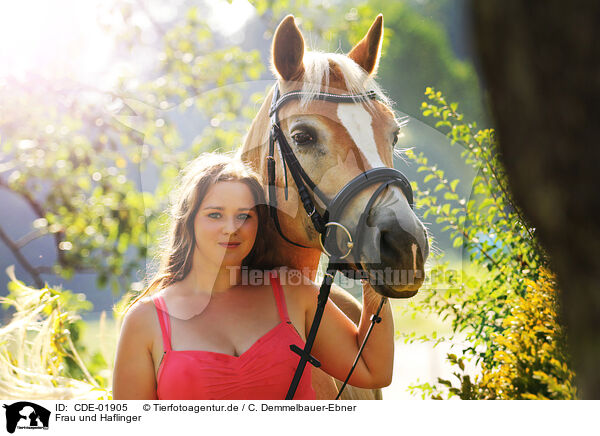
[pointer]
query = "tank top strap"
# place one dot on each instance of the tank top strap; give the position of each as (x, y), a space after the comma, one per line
(163, 319)
(279, 297)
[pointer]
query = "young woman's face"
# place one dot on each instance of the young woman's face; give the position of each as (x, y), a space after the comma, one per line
(226, 224)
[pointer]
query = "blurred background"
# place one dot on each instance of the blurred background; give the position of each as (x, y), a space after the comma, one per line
(102, 104)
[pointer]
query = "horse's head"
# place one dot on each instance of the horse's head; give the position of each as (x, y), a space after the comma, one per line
(335, 142)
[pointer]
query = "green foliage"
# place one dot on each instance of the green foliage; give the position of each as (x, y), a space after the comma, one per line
(486, 308)
(40, 356)
(72, 167)
(315, 16)
(420, 55)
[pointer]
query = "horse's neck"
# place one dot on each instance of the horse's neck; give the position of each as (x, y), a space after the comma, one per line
(305, 260)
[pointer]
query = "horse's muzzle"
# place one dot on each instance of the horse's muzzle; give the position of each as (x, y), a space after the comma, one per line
(393, 254)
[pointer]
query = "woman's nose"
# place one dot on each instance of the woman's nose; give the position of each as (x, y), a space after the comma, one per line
(229, 226)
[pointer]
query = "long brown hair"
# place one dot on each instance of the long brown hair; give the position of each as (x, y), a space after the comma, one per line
(200, 174)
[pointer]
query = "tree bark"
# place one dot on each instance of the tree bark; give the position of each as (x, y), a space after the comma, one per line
(541, 65)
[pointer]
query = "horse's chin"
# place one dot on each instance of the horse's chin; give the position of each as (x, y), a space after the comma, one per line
(388, 285)
(397, 292)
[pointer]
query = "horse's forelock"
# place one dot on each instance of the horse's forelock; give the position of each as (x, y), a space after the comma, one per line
(317, 75)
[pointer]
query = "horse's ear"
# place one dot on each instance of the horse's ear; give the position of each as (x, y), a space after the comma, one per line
(288, 49)
(366, 53)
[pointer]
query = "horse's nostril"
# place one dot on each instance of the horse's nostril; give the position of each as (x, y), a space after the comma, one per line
(401, 248)
(389, 245)
(386, 240)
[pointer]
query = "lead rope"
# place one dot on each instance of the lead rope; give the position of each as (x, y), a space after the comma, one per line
(304, 354)
(375, 319)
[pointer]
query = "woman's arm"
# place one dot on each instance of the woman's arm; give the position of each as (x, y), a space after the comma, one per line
(346, 302)
(338, 340)
(133, 376)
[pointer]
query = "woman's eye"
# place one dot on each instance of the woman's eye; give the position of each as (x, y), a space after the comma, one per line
(243, 217)
(302, 138)
(215, 215)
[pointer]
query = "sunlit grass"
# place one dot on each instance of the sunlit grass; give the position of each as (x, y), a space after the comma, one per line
(34, 345)
(101, 334)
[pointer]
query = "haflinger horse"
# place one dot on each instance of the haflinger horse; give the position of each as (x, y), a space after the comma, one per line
(334, 142)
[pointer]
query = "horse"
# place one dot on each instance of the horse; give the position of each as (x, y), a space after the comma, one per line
(334, 143)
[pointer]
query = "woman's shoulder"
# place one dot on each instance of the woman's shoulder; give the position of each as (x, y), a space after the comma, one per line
(294, 278)
(140, 323)
(295, 284)
(145, 308)
(307, 291)
(141, 312)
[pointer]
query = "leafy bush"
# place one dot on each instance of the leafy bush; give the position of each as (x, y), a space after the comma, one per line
(507, 314)
(531, 363)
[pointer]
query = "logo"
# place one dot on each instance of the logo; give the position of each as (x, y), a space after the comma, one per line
(26, 415)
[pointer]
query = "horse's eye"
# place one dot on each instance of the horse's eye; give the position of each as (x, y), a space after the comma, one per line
(302, 138)
(395, 136)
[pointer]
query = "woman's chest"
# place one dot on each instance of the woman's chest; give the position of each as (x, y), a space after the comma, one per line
(228, 326)
(262, 372)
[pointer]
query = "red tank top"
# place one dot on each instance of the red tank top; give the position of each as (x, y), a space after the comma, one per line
(263, 372)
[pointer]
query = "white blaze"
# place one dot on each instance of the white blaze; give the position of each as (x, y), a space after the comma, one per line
(357, 121)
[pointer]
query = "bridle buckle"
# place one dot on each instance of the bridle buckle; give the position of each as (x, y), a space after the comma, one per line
(349, 244)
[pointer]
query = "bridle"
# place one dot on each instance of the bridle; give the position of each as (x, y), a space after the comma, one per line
(329, 219)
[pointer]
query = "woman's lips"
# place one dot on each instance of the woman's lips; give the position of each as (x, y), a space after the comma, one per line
(229, 244)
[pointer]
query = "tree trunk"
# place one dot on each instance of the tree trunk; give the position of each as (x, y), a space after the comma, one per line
(540, 62)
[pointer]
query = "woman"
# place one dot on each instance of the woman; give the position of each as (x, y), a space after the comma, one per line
(207, 335)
